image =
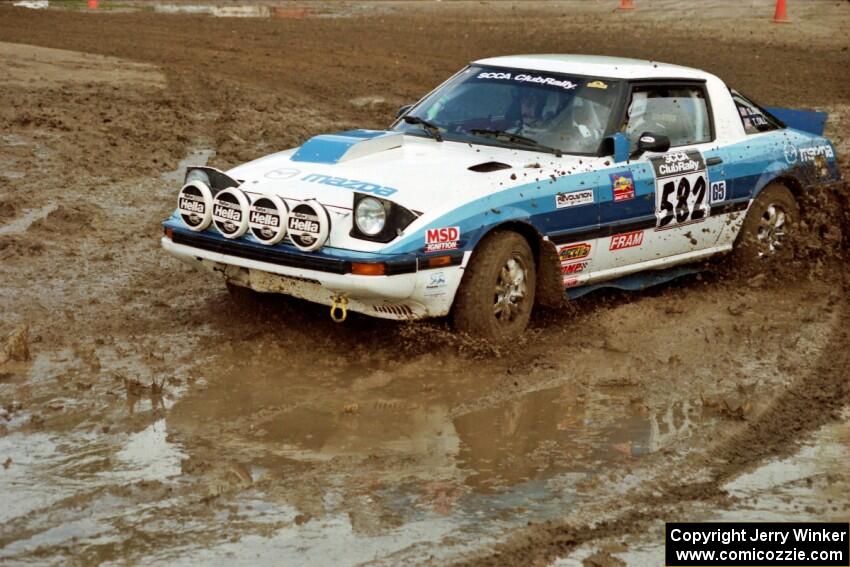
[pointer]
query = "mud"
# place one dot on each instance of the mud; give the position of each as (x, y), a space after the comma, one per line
(147, 417)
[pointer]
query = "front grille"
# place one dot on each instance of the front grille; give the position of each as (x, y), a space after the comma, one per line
(398, 310)
(246, 249)
(288, 256)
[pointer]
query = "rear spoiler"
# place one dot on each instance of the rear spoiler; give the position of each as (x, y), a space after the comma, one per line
(809, 121)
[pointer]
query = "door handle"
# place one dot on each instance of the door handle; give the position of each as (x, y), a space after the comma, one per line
(714, 161)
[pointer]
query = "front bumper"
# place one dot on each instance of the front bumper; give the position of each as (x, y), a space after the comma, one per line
(409, 290)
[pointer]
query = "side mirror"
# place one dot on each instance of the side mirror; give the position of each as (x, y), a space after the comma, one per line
(649, 142)
(616, 145)
(403, 110)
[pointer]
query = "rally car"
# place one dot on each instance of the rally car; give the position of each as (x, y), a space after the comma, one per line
(520, 180)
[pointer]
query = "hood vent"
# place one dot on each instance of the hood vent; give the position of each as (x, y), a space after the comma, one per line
(489, 166)
(345, 146)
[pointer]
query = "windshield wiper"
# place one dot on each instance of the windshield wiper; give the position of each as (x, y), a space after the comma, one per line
(525, 140)
(427, 126)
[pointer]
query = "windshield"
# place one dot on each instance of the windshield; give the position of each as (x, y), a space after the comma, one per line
(518, 108)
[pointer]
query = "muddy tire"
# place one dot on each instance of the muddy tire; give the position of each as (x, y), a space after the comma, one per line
(766, 235)
(496, 295)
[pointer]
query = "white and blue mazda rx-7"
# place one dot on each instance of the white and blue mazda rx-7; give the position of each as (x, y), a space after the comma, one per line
(520, 180)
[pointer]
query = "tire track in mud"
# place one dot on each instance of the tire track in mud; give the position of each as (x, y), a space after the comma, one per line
(806, 405)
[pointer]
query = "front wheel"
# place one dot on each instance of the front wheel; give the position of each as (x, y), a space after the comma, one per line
(496, 295)
(768, 227)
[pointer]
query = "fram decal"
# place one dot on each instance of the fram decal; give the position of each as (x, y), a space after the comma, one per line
(352, 184)
(438, 239)
(564, 200)
(626, 240)
(623, 185)
(575, 268)
(574, 252)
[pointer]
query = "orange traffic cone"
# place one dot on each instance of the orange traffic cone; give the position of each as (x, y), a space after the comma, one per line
(626, 5)
(93, 4)
(780, 16)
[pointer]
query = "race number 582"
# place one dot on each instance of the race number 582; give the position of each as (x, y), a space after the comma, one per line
(682, 199)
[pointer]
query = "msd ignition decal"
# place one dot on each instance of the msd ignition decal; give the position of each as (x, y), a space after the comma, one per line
(439, 239)
(626, 240)
(527, 78)
(623, 185)
(681, 187)
(308, 225)
(267, 218)
(564, 200)
(194, 205)
(354, 185)
(573, 252)
(230, 212)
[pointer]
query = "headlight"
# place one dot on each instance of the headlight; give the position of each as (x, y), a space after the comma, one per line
(198, 175)
(370, 216)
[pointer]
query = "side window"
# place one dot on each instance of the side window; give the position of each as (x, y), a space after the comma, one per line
(676, 111)
(753, 118)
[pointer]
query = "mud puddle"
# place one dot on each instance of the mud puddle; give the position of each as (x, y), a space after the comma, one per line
(383, 476)
(809, 486)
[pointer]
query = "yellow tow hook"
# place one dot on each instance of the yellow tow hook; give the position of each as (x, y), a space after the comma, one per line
(339, 308)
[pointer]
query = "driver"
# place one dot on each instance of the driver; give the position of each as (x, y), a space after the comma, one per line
(531, 111)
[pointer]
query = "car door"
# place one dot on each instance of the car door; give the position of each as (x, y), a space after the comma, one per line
(660, 203)
(573, 225)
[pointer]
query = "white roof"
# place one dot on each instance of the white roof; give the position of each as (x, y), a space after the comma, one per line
(596, 66)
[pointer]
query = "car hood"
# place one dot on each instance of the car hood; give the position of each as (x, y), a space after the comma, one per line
(418, 173)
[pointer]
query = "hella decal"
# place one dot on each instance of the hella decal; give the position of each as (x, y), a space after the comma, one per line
(438, 239)
(353, 184)
(230, 212)
(267, 219)
(308, 225)
(194, 205)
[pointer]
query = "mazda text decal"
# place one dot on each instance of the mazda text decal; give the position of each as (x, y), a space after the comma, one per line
(809, 154)
(352, 184)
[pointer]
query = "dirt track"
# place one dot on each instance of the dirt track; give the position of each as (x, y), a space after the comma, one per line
(157, 421)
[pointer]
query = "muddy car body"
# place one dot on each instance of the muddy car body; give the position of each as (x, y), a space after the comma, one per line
(520, 180)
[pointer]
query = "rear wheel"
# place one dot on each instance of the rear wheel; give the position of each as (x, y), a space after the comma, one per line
(767, 230)
(496, 295)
